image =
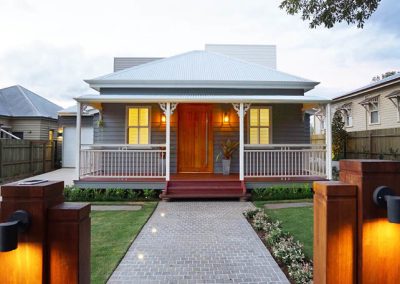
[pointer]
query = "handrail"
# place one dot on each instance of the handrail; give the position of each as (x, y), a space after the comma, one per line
(129, 146)
(9, 134)
(283, 145)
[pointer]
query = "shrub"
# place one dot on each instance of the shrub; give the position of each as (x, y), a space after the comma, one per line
(112, 194)
(301, 272)
(294, 191)
(250, 213)
(283, 246)
(150, 193)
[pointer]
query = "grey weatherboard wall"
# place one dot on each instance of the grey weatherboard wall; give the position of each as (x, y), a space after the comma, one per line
(289, 126)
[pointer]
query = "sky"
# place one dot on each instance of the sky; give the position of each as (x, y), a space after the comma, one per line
(51, 46)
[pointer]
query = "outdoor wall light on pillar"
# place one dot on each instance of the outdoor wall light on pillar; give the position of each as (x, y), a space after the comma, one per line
(383, 197)
(18, 222)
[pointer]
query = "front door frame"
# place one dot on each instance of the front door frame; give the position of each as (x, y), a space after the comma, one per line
(210, 138)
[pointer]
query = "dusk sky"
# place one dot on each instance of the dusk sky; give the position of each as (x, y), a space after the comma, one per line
(50, 46)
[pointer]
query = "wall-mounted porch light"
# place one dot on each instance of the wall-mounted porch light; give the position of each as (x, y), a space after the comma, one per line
(225, 118)
(163, 119)
(18, 222)
(384, 198)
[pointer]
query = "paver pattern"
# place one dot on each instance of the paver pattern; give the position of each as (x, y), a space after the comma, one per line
(198, 242)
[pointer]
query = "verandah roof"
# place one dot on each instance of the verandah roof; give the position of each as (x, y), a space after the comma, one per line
(201, 99)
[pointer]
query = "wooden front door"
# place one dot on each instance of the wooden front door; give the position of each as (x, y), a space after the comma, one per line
(195, 147)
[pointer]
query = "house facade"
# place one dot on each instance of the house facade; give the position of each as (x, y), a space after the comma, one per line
(164, 121)
(26, 115)
(375, 106)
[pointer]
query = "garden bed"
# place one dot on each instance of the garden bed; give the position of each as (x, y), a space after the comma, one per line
(288, 252)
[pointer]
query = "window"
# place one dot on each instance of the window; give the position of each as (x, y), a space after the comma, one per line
(259, 125)
(373, 113)
(51, 134)
(138, 130)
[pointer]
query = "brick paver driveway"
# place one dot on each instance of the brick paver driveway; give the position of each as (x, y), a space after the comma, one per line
(198, 242)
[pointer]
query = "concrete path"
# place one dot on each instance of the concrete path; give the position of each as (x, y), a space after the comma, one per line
(198, 242)
(116, 207)
(68, 175)
(287, 205)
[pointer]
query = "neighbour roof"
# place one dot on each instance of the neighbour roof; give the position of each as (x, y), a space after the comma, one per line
(16, 101)
(72, 110)
(200, 98)
(201, 69)
(387, 80)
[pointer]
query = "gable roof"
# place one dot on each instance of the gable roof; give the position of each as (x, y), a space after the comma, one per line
(16, 101)
(201, 69)
(374, 85)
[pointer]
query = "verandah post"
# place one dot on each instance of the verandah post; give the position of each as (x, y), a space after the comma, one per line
(241, 142)
(167, 142)
(328, 141)
(78, 138)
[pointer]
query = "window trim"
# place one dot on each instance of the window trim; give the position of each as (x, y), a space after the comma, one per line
(270, 124)
(370, 112)
(127, 107)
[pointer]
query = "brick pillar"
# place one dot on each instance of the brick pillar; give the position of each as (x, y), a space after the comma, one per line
(334, 233)
(27, 264)
(378, 240)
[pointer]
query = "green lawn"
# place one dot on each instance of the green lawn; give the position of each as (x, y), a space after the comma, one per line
(112, 234)
(298, 222)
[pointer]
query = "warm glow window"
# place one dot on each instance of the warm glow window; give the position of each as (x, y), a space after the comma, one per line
(138, 125)
(259, 125)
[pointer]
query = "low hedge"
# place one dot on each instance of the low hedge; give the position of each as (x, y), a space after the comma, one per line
(294, 191)
(112, 194)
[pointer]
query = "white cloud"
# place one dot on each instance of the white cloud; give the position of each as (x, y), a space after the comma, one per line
(51, 46)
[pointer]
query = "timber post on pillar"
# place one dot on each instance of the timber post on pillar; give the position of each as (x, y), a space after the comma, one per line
(30, 262)
(347, 222)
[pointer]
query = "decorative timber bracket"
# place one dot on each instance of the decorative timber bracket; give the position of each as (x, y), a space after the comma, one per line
(246, 107)
(163, 106)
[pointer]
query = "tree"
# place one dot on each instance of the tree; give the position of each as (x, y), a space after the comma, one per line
(339, 135)
(330, 12)
(383, 76)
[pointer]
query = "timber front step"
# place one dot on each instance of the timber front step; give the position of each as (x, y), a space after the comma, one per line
(204, 190)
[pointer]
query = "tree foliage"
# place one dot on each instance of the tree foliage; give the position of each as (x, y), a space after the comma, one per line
(383, 76)
(339, 135)
(330, 12)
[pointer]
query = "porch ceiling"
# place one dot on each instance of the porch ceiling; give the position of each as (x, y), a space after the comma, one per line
(90, 99)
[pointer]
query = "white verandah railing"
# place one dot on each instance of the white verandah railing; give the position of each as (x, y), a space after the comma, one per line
(124, 161)
(284, 160)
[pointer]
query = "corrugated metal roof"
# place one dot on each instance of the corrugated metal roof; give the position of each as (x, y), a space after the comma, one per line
(199, 98)
(256, 53)
(16, 101)
(201, 69)
(72, 110)
(121, 63)
(369, 86)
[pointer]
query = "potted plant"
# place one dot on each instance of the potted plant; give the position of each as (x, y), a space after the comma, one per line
(228, 147)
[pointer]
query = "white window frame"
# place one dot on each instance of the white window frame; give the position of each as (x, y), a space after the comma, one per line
(127, 123)
(269, 127)
(370, 113)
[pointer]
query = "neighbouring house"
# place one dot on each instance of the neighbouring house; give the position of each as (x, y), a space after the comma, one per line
(67, 129)
(161, 124)
(26, 115)
(371, 116)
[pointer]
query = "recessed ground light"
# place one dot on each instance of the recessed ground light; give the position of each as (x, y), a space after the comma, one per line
(162, 214)
(154, 230)
(140, 256)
